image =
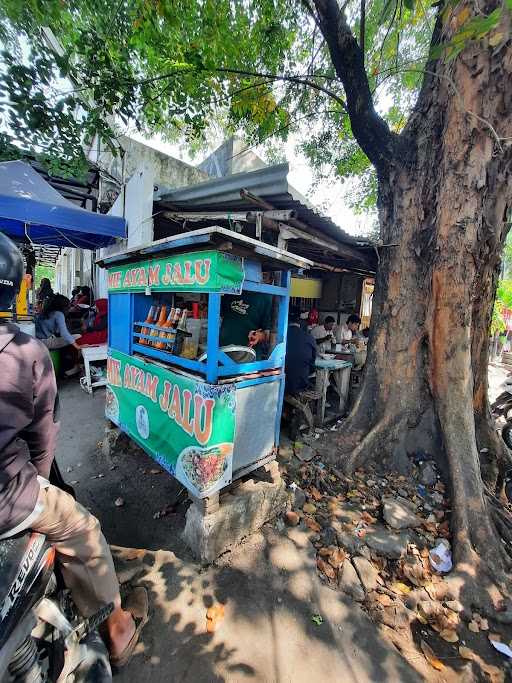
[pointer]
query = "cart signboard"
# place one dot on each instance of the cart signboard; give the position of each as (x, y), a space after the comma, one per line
(201, 271)
(186, 425)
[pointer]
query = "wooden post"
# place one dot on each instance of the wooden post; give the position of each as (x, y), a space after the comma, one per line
(208, 505)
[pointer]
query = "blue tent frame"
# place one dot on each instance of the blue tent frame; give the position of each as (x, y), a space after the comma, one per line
(32, 210)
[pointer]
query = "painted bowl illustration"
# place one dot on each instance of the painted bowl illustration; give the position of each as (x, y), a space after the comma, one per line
(111, 406)
(204, 467)
(142, 421)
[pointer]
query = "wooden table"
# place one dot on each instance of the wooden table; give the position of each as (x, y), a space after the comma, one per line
(340, 372)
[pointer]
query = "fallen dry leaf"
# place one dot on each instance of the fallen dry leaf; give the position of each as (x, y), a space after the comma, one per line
(369, 519)
(325, 568)
(132, 553)
(383, 599)
(337, 558)
(309, 508)
(400, 587)
(428, 652)
(214, 615)
(431, 527)
(449, 635)
(326, 551)
(311, 524)
(315, 494)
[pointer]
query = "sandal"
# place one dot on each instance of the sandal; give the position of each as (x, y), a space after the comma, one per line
(138, 605)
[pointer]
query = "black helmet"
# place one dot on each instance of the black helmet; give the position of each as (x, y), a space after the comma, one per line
(11, 272)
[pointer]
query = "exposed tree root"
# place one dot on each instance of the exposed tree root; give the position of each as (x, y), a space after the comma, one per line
(495, 457)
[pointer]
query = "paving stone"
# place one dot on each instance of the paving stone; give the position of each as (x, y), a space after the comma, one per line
(398, 514)
(388, 543)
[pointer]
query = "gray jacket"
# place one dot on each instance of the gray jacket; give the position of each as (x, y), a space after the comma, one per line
(28, 422)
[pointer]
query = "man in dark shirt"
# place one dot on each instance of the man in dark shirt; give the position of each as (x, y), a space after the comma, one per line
(300, 356)
(28, 432)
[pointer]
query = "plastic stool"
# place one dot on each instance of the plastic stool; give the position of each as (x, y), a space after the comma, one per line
(55, 356)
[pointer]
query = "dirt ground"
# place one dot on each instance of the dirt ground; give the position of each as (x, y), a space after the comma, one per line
(281, 624)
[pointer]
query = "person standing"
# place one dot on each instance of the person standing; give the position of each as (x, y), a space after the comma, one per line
(28, 433)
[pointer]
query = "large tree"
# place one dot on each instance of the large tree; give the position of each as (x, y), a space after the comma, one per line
(416, 99)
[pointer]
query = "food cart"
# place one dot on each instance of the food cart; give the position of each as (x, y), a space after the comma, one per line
(203, 415)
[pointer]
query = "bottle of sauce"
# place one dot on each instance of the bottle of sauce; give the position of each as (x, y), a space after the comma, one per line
(167, 324)
(172, 333)
(149, 320)
(160, 320)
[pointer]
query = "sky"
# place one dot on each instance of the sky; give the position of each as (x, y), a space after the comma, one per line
(327, 195)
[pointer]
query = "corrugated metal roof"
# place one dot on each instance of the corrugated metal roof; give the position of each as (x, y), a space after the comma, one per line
(270, 183)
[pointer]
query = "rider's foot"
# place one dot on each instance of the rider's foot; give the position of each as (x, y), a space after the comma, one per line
(118, 630)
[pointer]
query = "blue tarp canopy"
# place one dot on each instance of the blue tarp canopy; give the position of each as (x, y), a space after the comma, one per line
(32, 210)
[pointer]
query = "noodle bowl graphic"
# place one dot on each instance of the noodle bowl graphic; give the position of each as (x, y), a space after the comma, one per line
(206, 467)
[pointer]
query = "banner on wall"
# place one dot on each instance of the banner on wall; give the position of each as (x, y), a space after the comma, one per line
(186, 425)
(201, 271)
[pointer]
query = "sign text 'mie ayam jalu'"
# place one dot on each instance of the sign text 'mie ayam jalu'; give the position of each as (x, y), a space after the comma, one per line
(206, 271)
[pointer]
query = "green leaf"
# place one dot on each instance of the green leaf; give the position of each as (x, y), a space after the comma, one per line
(317, 619)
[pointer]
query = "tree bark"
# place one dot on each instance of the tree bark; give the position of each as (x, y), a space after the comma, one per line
(444, 200)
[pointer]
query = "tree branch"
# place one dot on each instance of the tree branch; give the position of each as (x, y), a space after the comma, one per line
(240, 72)
(362, 27)
(289, 79)
(370, 130)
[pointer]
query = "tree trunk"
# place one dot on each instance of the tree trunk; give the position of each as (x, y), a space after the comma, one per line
(443, 210)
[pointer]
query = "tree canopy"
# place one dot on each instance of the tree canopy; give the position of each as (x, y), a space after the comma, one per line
(262, 68)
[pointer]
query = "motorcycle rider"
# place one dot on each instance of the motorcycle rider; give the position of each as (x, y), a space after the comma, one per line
(28, 432)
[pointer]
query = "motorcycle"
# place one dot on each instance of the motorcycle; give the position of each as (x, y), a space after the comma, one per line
(43, 639)
(501, 409)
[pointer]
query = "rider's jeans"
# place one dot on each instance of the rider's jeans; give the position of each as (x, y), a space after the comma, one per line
(82, 551)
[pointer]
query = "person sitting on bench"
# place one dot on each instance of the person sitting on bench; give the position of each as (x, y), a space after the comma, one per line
(300, 356)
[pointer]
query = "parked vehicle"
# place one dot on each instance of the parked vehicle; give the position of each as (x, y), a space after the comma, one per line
(42, 638)
(502, 408)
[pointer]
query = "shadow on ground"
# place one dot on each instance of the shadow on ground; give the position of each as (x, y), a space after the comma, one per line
(269, 585)
(271, 592)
